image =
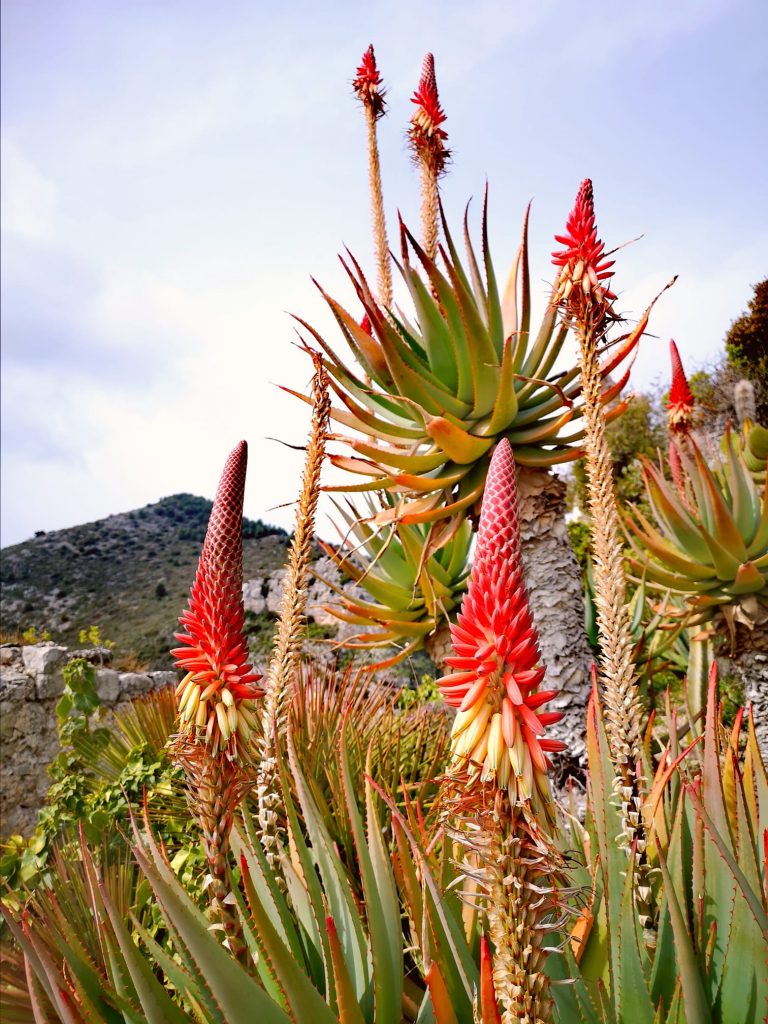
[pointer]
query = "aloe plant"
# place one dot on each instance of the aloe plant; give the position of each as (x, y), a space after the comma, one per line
(754, 441)
(317, 953)
(708, 541)
(412, 591)
(705, 815)
(432, 395)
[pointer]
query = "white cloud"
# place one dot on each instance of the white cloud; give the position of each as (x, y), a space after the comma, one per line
(28, 196)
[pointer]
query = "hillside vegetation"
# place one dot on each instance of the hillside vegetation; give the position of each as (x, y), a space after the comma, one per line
(129, 574)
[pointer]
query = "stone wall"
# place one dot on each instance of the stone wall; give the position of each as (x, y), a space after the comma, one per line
(31, 683)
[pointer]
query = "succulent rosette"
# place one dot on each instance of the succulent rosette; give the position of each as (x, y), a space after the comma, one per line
(707, 536)
(434, 391)
(412, 593)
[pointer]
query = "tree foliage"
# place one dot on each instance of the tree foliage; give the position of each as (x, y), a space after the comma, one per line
(746, 345)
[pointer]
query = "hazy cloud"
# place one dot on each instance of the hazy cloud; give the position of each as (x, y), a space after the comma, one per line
(28, 196)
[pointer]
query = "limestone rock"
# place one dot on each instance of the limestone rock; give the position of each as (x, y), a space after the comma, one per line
(133, 684)
(15, 685)
(48, 686)
(40, 659)
(254, 595)
(100, 656)
(10, 654)
(108, 685)
(275, 591)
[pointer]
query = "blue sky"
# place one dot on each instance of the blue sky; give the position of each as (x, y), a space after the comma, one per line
(173, 172)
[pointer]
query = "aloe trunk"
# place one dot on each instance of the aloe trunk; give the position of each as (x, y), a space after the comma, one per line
(438, 645)
(553, 580)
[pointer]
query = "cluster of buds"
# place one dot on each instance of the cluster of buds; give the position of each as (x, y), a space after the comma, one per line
(583, 280)
(367, 84)
(498, 731)
(217, 694)
(426, 136)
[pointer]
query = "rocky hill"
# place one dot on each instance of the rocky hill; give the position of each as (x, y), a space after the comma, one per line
(128, 574)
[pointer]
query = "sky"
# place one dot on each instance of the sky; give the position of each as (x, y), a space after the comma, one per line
(175, 171)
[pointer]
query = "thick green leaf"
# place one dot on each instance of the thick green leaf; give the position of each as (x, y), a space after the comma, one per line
(383, 926)
(335, 887)
(696, 1006)
(237, 995)
(304, 1001)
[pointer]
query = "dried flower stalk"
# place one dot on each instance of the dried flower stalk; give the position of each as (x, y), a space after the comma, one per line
(368, 88)
(290, 625)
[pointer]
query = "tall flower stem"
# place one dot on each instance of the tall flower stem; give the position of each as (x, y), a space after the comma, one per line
(427, 140)
(497, 796)
(368, 87)
(290, 626)
(430, 210)
(216, 716)
(623, 708)
(380, 243)
(215, 787)
(521, 861)
(583, 294)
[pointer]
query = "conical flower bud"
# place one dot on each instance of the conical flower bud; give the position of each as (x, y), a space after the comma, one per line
(498, 732)
(680, 407)
(217, 693)
(426, 136)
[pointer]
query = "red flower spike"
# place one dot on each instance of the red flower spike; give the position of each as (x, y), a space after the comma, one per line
(497, 733)
(216, 694)
(367, 84)
(426, 136)
(680, 408)
(585, 271)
